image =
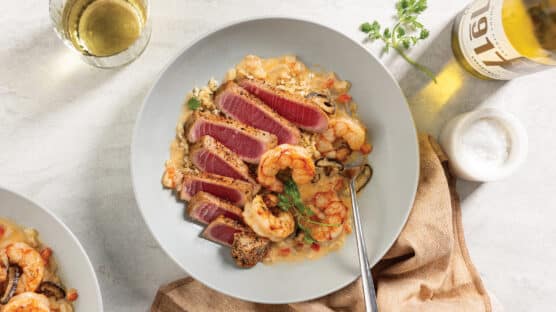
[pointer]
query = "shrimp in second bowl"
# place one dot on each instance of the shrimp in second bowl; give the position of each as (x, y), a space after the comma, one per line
(31, 264)
(28, 302)
(260, 218)
(341, 128)
(282, 157)
(331, 214)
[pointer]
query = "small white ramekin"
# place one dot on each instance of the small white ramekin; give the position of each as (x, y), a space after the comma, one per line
(450, 139)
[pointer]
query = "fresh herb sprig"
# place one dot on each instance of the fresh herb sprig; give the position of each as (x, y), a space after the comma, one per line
(193, 103)
(290, 200)
(407, 32)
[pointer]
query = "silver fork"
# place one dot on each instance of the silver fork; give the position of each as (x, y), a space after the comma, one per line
(366, 277)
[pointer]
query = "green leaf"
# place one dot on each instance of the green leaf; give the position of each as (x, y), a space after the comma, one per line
(193, 103)
(308, 239)
(405, 43)
(406, 32)
(366, 27)
(321, 223)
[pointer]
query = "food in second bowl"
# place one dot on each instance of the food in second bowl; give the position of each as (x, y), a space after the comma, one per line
(29, 278)
(260, 160)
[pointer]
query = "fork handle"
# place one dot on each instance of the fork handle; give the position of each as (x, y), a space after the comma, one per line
(366, 277)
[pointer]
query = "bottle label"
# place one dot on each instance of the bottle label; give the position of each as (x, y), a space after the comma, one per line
(484, 43)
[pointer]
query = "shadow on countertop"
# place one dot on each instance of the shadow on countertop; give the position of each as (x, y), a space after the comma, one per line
(455, 92)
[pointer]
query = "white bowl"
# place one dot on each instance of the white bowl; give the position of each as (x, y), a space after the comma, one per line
(74, 267)
(385, 203)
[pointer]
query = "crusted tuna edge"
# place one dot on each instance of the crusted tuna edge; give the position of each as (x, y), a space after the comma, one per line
(202, 198)
(227, 155)
(231, 86)
(245, 188)
(221, 220)
(248, 249)
(270, 139)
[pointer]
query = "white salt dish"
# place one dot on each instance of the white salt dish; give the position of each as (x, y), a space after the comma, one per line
(487, 144)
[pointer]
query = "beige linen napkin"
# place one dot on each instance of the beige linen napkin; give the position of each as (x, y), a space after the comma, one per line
(427, 269)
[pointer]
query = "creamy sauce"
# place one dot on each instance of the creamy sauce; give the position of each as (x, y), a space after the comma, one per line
(13, 233)
(289, 74)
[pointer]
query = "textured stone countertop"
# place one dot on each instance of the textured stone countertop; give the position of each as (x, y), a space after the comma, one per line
(65, 131)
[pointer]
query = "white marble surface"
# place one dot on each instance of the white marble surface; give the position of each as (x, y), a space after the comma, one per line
(65, 131)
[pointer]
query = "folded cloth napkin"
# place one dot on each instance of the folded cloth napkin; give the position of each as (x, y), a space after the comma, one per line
(427, 269)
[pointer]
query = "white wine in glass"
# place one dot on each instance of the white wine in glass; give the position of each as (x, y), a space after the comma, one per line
(107, 33)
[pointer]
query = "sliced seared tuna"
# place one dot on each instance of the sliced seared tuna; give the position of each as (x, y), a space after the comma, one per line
(239, 104)
(247, 142)
(204, 207)
(212, 156)
(235, 191)
(221, 230)
(295, 108)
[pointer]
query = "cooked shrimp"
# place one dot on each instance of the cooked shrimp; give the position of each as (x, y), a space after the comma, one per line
(4, 265)
(331, 212)
(341, 128)
(28, 302)
(281, 157)
(31, 264)
(275, 227)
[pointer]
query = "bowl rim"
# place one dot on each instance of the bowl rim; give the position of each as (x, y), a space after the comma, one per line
(70, 234)
(219, 28)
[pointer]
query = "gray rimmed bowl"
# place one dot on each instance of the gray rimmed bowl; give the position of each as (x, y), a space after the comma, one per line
(74, 267)
(385, 202)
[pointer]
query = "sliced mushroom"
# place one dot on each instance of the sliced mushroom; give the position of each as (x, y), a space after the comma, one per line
(329, 165)
(316, 178)
(322, 101)
(363, 177)
(51, 289)
(13, 278)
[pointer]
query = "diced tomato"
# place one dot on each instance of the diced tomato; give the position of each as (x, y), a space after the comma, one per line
(72, 295)
(366, 148)
(46, 254)
(329, 83)
(2, 231)
(344, 98)
(285, 251)
(315, 247)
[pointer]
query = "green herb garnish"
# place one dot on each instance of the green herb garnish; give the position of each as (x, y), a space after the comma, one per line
(404, 34)
(193, 103)
(290, 200)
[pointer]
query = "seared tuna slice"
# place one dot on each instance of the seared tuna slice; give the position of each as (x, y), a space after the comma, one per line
(212, 156)
(295, 108)
(221, 230)
(247, 142)
(248, 249)
(235, 191)
(239, 104)
(204, 207)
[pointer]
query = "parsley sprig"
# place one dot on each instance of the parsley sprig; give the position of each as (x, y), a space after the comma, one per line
(193, 103)
(290, 200)
(407, 32)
